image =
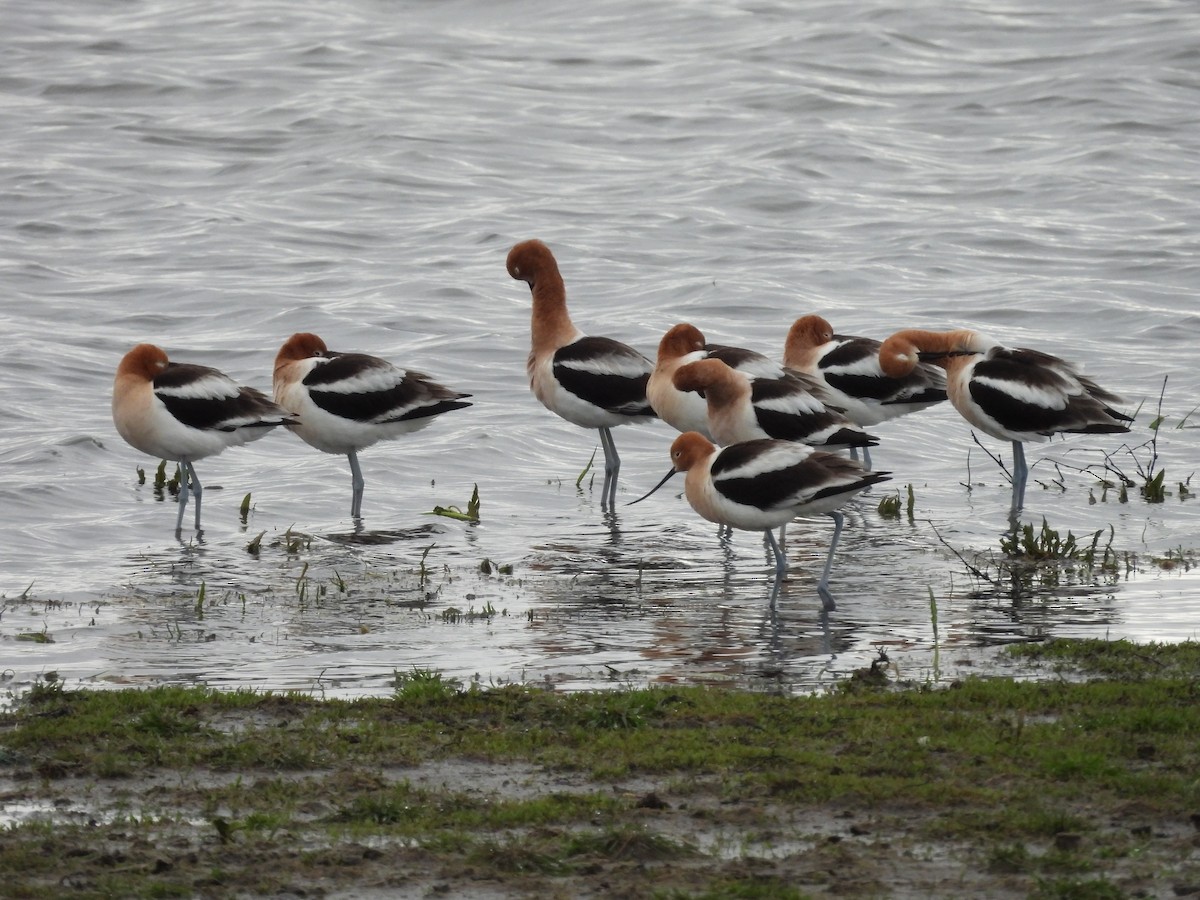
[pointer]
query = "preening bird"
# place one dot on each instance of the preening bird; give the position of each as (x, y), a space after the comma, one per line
(184, 412)
(1015, 395)
(348, 401)
(848, 366)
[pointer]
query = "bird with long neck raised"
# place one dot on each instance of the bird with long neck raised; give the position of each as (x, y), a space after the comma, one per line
(592, 382)
(1013, 394)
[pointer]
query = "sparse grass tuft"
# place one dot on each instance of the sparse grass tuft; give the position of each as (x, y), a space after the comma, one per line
(423, 686)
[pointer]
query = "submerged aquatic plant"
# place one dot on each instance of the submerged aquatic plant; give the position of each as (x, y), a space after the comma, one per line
(1047, 544)
(889, 507)
(423, 571)
(586, 469)
(1027, 556)
(255, 545)
(1148, 477)
(471, 514)
(295, 541)
(163, 485)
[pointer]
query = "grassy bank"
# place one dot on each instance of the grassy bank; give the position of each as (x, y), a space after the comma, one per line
(1082, 784)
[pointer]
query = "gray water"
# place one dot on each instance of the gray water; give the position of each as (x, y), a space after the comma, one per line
(214, 176)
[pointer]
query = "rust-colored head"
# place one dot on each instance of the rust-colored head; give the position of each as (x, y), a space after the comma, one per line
(301, 345)
(143, 361)
(690, 449)
(900, 353)
(804, 337)
(529, 260)
(681, 340)
(703, 375)
(809, 331)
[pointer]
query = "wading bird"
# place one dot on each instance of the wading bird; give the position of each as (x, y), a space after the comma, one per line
(743, 409)
(762, 484)
(592, 382)
(349, 401)
(1015, 395)
(849, 368)
(683, 344)
(184, 412)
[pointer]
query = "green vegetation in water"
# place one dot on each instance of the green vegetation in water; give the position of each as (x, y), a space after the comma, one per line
(244, 509)
(255, 544)
(423, 571)
(293, 542)
(1075, 786)
(889, 507)
(1048, 545)
(35, 637)
(1043, 557)
(1147, 476)
(163, 486)
(487, 567)
(586, 469)
(471, 514)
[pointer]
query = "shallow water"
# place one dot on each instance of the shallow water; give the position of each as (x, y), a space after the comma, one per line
(213, 177)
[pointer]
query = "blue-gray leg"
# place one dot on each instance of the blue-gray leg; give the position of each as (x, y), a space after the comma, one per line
(356, 485)
(197, 490)
(184, 490)
(612, 466)
(188, 484)
(1020, 475)
(823, 584)
(780, 564)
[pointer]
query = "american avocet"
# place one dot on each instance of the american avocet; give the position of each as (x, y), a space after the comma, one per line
(592, 382)
(849, 368)
(744, 409)
(185, 412)
(683, 344)
(1012, 394)
(349, 401)
(758, 485)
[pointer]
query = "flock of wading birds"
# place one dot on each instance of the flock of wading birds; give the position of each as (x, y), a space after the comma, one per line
(775, 425)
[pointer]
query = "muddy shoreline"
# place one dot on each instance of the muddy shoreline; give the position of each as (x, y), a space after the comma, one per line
(1080, 784)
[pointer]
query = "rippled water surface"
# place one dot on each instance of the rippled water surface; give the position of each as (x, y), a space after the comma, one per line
(212, 177)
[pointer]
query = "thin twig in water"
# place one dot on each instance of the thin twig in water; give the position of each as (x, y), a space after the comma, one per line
(997, 460)
(970, 568)
(1158, 417)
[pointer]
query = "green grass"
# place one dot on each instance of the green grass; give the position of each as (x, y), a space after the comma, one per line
(993, 767)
